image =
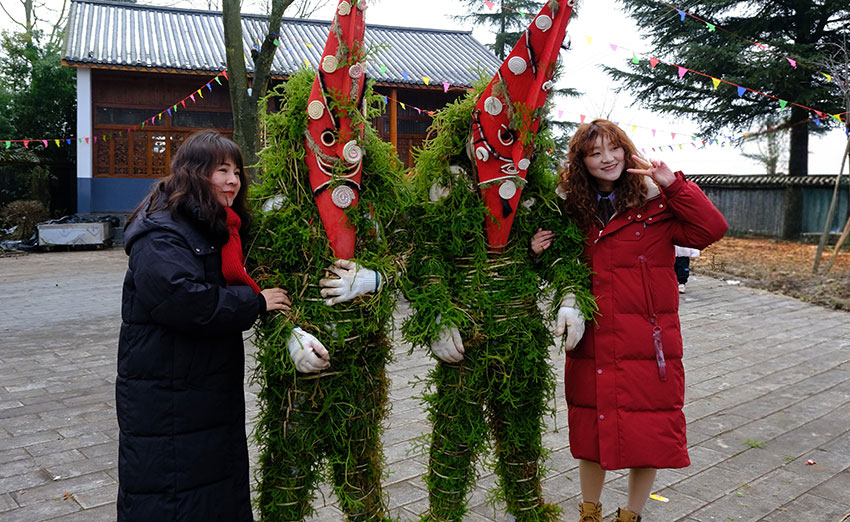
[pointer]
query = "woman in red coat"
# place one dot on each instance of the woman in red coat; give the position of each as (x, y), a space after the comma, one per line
(625, 382)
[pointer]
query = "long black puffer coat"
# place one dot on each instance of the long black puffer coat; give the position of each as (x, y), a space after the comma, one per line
(180, 400)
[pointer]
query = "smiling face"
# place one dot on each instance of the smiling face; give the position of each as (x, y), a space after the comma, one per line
(605, 162)
(226, 182)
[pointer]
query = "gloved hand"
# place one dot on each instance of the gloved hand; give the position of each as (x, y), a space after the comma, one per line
(571, 319)
(448, 346)
(353, 280)
(307, 353)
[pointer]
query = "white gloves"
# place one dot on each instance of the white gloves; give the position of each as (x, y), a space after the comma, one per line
(448, 346)
(353, 280)
(571, 319)
(307, 353)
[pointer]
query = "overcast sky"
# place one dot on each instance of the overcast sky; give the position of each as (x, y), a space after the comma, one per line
(600, 25)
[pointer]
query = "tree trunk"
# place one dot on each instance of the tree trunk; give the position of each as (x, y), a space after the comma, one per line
(244, 104)
(798, 158)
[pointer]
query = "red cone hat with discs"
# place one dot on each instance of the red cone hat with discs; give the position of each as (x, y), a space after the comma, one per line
(506, 117)
(334, 156)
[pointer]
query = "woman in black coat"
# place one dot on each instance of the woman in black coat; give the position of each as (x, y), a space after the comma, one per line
(183, 453)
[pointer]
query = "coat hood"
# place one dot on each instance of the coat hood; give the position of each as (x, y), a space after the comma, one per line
(146, 222)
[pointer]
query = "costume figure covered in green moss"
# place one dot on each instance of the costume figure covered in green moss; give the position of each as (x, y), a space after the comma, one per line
(322, 365)
(474, 284)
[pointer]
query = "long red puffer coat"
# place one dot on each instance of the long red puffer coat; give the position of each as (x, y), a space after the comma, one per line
(625, 383)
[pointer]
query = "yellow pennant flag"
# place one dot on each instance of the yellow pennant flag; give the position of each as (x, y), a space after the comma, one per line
(57, 142)
(402, 105)
(828, 77)
(716, 82)
(426, 79)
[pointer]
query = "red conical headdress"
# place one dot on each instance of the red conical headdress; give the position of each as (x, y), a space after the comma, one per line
(333, 155)
(506, 117)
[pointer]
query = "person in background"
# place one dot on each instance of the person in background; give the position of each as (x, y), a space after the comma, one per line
(624, 381)
(682, 265)
(182, 451)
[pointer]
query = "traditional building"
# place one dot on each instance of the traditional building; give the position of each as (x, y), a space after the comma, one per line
(162, 67)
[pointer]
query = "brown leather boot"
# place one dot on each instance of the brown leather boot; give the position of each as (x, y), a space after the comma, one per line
(624, 515)
(590, 512)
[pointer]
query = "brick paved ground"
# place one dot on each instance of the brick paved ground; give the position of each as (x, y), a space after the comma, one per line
(768, 389)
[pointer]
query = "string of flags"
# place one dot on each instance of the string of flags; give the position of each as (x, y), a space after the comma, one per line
(681, 71)
(58, 142)
(714, 27)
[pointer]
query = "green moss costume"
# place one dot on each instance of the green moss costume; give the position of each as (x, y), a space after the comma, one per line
(325, 425)
(498, 393)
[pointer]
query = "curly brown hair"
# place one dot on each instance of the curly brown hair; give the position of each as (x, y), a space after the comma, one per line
(579, 187)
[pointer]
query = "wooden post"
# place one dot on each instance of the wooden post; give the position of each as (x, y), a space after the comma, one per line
(394, 118)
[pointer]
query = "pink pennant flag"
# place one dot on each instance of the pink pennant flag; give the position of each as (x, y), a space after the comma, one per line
(792, 62)
(613, 47)
(26, 143)
(682, 72)
(673, 135)
(45, 141)
(560, 114)
(582, 117)
(446, 86)
(490, 5)
(95, 139)
(192, 96)
(418, 110)
(652, 63)
(653, 132)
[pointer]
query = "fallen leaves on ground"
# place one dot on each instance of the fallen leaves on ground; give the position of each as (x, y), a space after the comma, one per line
(779, 266)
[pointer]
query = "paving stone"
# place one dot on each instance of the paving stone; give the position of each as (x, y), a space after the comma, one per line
(56, 489)
(756, 371)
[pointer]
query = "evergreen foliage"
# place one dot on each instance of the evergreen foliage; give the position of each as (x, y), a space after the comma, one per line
(325, 425)
(37, 101)
(509, 20)
(497, 395)
(802, 31)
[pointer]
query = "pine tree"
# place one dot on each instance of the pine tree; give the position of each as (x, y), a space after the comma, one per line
(509, 19)
(770, 46)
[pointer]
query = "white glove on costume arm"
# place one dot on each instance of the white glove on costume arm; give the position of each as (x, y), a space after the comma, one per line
(352, 280)
(307, 353)
(571, 319)
(448, 345)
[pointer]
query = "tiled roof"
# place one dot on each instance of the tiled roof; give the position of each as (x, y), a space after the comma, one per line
(763, 180)
(121, 35)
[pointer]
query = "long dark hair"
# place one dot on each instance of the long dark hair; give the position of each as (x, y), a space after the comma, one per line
(579, 186)
(188, 193)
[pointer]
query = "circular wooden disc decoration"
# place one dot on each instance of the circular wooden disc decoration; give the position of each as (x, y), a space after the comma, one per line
(523, 164)
(355, 71)
(344, 8)
(342, 196)
(543, 22)
(351, 152)
(507, 189)
(493, 105)
(315, 109)
(517, 65)
(330, 63)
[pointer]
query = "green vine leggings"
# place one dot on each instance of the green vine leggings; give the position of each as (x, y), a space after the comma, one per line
(497, 391)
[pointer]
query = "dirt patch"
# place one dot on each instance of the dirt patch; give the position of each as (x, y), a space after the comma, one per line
(783, 267)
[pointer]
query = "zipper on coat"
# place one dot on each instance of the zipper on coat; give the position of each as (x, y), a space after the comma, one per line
(653, 320)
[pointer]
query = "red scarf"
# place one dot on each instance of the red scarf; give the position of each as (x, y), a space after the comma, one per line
(232, 263)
